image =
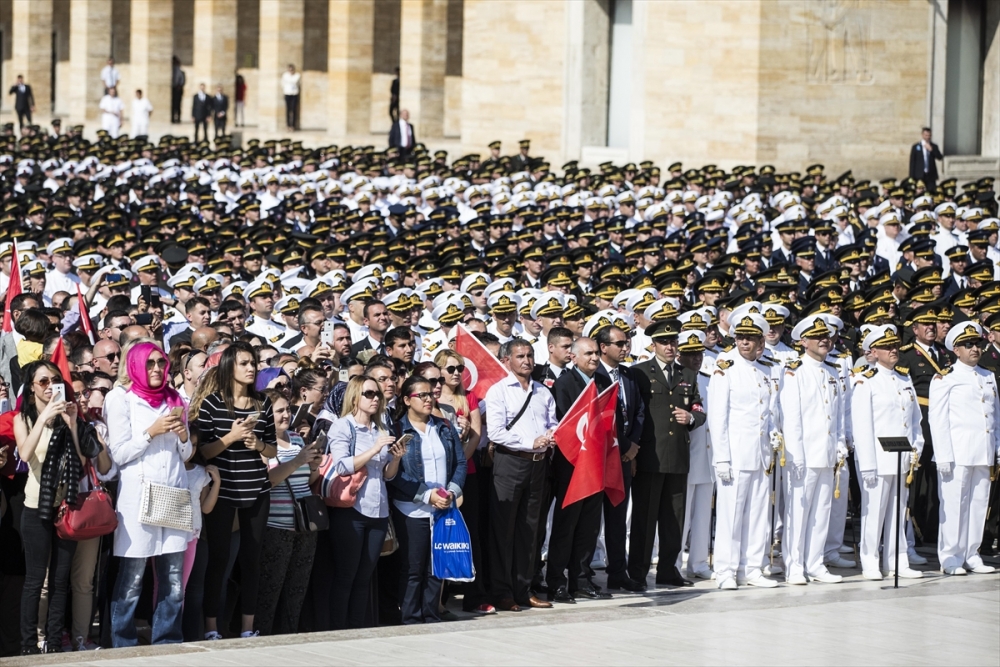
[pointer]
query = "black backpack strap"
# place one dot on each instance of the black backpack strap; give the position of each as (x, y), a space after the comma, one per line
(520, 413)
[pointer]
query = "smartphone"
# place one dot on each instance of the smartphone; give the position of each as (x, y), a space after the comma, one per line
(154, 300)
(344, 375)
(251, 419)
(146, 292)
(144, 319)
(320, 442)
(405, 439)
(326, 334)
(301, 417)
(177, 412)
(58, 392)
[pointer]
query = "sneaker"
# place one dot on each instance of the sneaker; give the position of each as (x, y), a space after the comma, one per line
(915, 558)
(212, 636)
(485, 609)
(81, 644)
(248, 634)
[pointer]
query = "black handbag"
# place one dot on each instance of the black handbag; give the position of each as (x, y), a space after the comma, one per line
(310, 512)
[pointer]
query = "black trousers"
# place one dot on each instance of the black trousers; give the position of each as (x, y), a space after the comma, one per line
(574, 531)
(203, 124)
(518, 487)
(193, 621)
(658, 499)
(924, 500)
(616, 528)
(44, 552)
(292, 111)
(21, 115)
(219, 528)
(473, 592)
(419, 589)
(176, 94)
(220, 126)
(356, 542)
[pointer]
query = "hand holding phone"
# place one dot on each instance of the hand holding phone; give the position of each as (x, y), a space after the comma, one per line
(326, 333)
(58, 392)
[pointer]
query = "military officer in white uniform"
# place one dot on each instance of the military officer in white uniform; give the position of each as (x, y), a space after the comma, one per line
(741, 422)
(812, 405)
(963, 412)
(883, 404)
(260, 294)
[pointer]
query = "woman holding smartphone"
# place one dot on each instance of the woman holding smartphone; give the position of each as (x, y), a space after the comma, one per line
(355, 441)
(235, 432)
(430, 478)
(45, 431)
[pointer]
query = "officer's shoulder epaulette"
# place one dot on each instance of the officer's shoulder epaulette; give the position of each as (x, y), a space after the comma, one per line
(905, 348)
(831, 365)
(729, 348)
(870, 373)
(277, 338)
(703, 374)
(902, 370)
(844, 354)
(249, 320)
(764, 362)
(944, 371)
(649, 348)
(433, 346)
(792, 366)
(860, 368)
(722, 365)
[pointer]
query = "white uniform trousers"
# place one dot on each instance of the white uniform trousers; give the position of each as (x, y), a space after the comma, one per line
(878, 524)
(697, 527)
(838, 516)
(742, 525)
(807, 521)
(780, 503)
(965, 495)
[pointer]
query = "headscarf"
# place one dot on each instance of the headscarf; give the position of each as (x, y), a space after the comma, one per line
(155, 396)
(267, 376)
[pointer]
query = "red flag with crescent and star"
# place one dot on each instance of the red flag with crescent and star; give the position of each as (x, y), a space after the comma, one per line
(586, 437)
(482, 369)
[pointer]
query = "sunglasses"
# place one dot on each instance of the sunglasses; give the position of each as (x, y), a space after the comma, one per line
(451, 370)
(393, 378)
(104, 390)
(156, 363)
(45, 382)
(434, 381)
(423, 396)
(371, 394)
(968, 343)
(618, 343)
(109, 357)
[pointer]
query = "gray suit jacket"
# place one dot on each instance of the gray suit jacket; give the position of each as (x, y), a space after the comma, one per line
(8, 351)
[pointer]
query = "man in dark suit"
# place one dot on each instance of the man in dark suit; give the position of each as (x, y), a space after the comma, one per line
(401, 135)
(922, 160)
(630, 415)
(574, 528)
(201, 110)
(220, 111)
(378, 322)
(24, 100)
(673, 409)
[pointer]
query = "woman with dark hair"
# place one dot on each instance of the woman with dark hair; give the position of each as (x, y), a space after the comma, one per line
(45, 431)
(431, 475)
(235, 432)
(149, 442)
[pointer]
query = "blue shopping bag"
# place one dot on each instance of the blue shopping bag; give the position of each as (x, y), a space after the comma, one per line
(451, 546)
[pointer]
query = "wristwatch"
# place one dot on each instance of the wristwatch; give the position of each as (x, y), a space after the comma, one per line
(146, 436)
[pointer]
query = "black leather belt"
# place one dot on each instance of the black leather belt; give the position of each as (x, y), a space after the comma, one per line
(527, 456)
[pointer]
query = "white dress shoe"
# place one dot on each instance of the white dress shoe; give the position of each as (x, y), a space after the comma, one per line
(727, 584)
(826, 578)
(796, 580)
(872, 575)
(840, 562)
(769, 569)
(762, 582)
(955, 571)
(982, 569)
(910, 573)
(702, 574)
(844, 549)
(915, 558)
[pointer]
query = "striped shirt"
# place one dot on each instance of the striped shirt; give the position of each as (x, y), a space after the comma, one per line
(282, 515)
(242, 473)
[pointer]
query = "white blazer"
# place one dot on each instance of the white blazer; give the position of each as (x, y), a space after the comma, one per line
(740, 420)
(963, 410)
(883, 404)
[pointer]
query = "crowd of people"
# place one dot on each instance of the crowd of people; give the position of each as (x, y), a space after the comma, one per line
(253, 351)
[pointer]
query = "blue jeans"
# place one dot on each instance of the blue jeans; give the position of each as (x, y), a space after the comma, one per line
(128, 588)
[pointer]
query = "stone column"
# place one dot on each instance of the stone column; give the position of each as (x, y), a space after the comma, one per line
(151, 52)
(89, 48)
(280, 45)
(214, 51)
(32, 50)
(422, 56)
(349, 66)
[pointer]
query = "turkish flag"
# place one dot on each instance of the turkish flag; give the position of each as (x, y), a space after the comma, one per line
(61, 360)
(85, 323)
(583, 437)
(482, 369)
(13, 289)
(614, 484)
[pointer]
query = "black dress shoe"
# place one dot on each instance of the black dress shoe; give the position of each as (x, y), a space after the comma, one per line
(508, 604)
(601, 593)
(677, 581)
(561, 595)
(625, 583)
(539, 587)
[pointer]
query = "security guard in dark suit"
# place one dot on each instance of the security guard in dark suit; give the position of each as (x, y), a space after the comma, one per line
(659, 490)
(990, 360)
(924, 358)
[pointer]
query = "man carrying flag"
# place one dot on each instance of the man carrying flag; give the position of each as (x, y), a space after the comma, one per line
(576, 521)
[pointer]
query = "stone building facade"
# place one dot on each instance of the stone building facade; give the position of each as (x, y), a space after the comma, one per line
(848, 83)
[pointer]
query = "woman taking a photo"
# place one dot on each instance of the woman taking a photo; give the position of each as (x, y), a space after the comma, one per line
(45, 431)
(357, 441)
(286, 555)
(235, 432)
(149, 441)
(431, 475)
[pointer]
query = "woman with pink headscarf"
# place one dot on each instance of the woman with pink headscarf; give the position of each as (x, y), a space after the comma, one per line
(149, 440)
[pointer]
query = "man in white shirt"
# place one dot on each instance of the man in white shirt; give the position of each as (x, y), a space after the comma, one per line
(290, 82)
(111, 112)
(110, 76)
(142, 109)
